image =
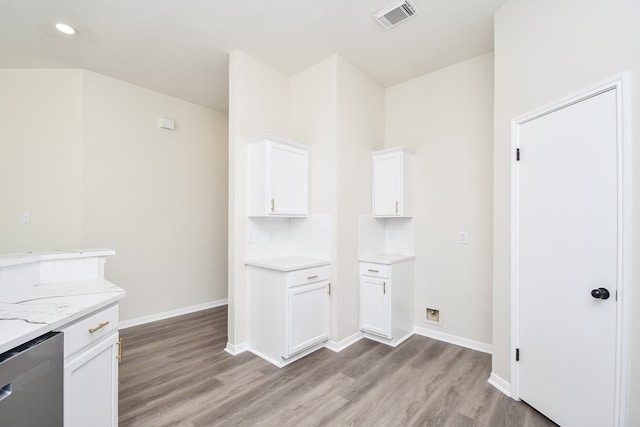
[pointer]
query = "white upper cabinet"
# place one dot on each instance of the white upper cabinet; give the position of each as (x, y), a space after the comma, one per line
(392, 179)
(278, 177)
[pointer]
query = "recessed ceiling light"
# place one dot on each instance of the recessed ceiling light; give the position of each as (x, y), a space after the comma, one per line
(66, 29)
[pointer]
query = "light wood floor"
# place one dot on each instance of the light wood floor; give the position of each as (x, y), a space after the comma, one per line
(176, 373)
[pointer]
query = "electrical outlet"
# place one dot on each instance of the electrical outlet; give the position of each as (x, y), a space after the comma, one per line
(463, 238)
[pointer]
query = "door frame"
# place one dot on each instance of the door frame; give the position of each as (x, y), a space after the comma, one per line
(620, 84)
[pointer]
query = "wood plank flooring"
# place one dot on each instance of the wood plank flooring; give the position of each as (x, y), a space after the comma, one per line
(175, 372)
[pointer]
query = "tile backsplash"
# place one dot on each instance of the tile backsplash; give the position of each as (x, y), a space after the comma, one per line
(311, 236)
(386, 235)
(275, 237)
(25, 276)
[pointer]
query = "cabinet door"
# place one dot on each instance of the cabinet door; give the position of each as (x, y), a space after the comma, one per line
(91, 386)
(375, 306)
(288, 172)
(387, 184)
(308, 316)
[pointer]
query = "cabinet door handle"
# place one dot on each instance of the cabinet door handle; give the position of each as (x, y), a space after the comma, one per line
(273, 205)
(100, 326)
(120, 345)
(384, 288)
(373, 271)
(396, 206)
(329, 291)
(311, 277)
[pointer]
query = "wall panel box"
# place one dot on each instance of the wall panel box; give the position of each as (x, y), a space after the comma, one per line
(278, 177)
(164, 123)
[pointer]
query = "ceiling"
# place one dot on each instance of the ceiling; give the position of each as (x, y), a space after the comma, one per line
(181, 47)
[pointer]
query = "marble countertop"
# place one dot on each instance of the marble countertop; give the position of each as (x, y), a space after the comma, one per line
(386, 258)
(27, 257)
(288, 263)
(27, 314)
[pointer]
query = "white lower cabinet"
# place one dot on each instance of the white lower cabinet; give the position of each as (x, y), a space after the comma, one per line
(91, 370)
(288, 312)
(307, 311)
(386, 301)
(375, 306)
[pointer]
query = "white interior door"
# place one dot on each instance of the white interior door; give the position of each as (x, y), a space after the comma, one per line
(567, 231)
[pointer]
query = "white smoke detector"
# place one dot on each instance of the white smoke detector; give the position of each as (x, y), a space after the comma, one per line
(395, 13)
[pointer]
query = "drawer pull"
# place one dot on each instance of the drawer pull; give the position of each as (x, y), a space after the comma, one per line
(311, 277)
(384, 288)
(373, 271)
(329, 291)
(100, 326)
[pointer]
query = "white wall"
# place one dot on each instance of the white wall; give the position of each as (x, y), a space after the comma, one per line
(338, 112)
(360, 118)
(83, 153)
(313, 120)
(40, 159)
(546, 50)
(445, 117)
(258, 103)
(158, 197)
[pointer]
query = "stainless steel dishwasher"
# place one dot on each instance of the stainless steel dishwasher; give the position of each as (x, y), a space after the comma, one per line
(31, 379)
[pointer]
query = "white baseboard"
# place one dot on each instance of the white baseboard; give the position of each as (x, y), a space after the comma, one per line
(338, 346)
(500, 384)
(235, 349)
(171, 313)
(454, 339)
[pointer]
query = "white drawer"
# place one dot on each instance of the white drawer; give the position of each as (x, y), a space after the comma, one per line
(308, 275)
(89, 330)
(374, 270)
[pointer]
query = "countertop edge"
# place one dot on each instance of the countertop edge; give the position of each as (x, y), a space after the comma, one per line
(387, 259)
(35, 329)
(279, 267)
(117, 296)
(7, 260)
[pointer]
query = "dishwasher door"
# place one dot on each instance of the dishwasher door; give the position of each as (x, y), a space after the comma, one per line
(31, 378)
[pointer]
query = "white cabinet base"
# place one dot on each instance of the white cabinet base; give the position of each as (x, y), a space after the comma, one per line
(91, 386)
(386, 301)
(288, 314)
(281, 362)
(393, 342)
(91, 370)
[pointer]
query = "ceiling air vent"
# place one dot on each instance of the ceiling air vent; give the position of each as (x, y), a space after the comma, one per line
(395, 13)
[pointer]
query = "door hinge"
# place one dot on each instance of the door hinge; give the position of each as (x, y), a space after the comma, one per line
(517, 354)
(517, 154)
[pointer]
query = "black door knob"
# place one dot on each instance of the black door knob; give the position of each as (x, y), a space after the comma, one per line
(600, 293)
